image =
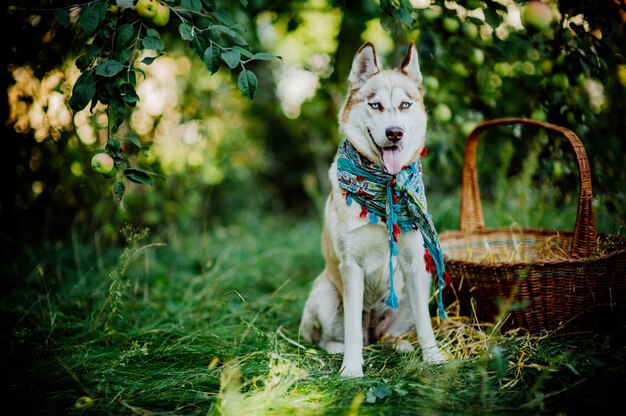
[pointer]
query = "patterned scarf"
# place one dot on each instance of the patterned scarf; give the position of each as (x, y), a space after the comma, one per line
(398, 200)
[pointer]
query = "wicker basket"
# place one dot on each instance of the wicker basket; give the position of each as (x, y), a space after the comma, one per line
(563, 281)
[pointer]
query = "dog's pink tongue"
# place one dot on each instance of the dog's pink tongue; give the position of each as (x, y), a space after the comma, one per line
(392, 158)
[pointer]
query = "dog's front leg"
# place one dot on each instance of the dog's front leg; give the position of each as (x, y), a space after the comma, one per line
(353, 286)
(418, 290)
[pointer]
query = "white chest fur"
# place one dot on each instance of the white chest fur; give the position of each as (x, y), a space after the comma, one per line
(356, 240)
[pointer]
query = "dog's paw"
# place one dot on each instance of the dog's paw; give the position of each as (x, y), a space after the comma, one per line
(355, 371)
(404, 346)
(352, 366)
(333, 347)
(433, 356)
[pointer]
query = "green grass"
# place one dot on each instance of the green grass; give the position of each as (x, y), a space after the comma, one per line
(208, 324)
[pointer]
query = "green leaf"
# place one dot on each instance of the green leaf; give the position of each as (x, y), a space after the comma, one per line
(84, 61)
(386, 5)
(153, 42)
(139, 71)
(492, 17)
(382, 391)
(148, 60)
(387, 23)
(200, 43)
(117, 113)
(224, 29)
(83, 91)
(244, 52)
(240, 40)
(121, 162)
(90, 18)
(475, 20)
(134, 140)
(63, 17)
(404, 16)
(212, 59)
(109, 68)
(265, 56)
(123, 35)
(118, 190)
(232, 58)
(92, 50)
(244, 3)
(224, 16)
(113, 147)
(138, 176)
(195, 5)
(123, 55)
(131, 78)
(129, 95)
(247, 83)
(379, 392)
(186, 31)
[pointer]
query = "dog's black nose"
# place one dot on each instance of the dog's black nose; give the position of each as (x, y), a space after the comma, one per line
(394, 134)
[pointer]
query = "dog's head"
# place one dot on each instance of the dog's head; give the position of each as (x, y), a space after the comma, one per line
(383, 115)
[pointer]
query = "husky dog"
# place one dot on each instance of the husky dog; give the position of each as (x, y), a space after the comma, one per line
(383, 121)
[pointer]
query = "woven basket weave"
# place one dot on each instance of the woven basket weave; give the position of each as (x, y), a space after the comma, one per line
(541, 279)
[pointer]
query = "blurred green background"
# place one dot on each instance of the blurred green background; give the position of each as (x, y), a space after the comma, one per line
(224, 157)
(95, 315)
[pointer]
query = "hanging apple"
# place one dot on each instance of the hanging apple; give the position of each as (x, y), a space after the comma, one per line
(537, 15)
(162, 15)
(147, 8)
(442, 113)
(103, 164)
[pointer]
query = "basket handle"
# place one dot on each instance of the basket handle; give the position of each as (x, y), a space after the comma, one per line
(584, 241)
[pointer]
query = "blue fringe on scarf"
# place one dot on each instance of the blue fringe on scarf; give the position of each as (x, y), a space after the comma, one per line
(398, 200)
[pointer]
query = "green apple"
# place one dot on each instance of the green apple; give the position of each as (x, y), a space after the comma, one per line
(429, 14)
(539, 114)
(477, 57)
(560, 60)
(103, 164)
(537, 15)
(162, 15)
(451, 24)
(470, 30)
(431, 83)
(560, 80)
(546, 66)
(147, 8)
(442, 113)
(460, 69)
(557, 169)
(467, 127)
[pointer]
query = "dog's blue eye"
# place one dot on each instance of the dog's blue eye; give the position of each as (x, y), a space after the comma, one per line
(376, 106)
(405, 105)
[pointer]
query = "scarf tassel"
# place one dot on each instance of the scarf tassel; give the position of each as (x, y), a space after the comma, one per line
(392, 299)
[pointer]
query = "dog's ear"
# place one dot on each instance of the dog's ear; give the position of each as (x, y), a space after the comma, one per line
(411, 65)
(364, 66)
